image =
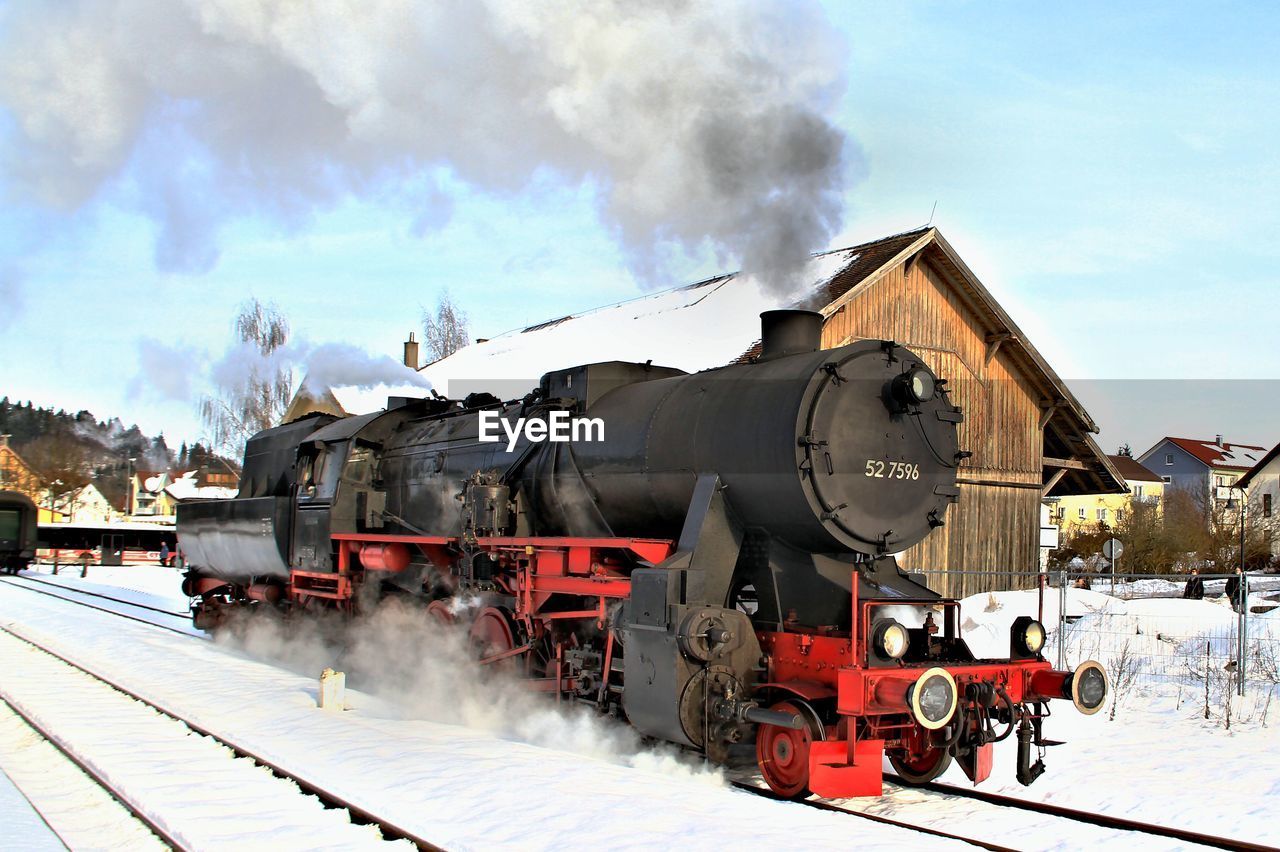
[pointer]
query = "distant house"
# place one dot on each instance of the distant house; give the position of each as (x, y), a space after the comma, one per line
(17, 475)
(147, 495)
(1201, 466)
(1086, 510)
(196, 485)
(1261, 483)
(157, 494)
(85, 505)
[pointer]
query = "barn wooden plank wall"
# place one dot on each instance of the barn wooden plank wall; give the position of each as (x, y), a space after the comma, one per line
(995, 526)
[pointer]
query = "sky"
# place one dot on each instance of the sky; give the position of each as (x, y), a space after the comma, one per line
(1107, 170)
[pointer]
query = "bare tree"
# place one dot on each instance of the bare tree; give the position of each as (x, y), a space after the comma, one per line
(258, 396)
(445, 330)
(1148, 546)
(59, 456)
(1124, 669)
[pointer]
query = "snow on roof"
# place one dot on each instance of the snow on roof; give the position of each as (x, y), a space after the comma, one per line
(186, 487)
(694, 327)
(1240, 456)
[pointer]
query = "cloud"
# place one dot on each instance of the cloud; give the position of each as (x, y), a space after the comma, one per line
(704, 125)
(166, 372)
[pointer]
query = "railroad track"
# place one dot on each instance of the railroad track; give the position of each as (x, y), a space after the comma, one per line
(1091, 818)
(883, 820)
(98, 777)
(29, 584)
(67, 668)
(1057, 812)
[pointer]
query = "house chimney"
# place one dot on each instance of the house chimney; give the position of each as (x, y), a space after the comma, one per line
(4, 440)
(1217, 439)
(411, 353)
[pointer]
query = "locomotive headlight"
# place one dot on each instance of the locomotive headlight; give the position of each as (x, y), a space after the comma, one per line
(921, 384)
(933, 698)
(1028, 636)
(1089, 687)
(915, 386)
(890, 639)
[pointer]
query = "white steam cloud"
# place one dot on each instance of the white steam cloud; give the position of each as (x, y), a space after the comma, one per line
(324, 366)
(700, 124)
(425, 670)
(180, 373)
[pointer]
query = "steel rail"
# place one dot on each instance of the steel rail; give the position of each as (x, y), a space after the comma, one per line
(390, 830)
(827, 806)
(125, 800)
(185, 615)
(1101, 820)
(9, 581)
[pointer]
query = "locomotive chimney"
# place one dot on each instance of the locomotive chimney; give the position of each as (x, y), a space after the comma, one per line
(411, 353)
(789, 333)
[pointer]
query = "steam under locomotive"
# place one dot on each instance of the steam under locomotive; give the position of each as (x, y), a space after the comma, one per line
(715, 566)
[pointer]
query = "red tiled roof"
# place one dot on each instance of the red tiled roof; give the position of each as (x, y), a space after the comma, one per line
(1132, 470)
(1231, 456)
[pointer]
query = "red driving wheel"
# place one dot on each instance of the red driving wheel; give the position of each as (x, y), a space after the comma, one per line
(439, 612)
(783, 754)
(919, 761)
(492, 633)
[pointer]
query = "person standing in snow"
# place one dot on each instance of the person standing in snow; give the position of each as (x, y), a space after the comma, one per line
(164, 554)
(1194, 590)
(1235, 591)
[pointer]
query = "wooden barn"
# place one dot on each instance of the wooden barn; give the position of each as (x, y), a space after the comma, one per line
(1029, 436)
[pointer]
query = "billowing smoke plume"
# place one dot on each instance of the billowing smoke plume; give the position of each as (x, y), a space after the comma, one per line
(179, 373)
(700, 124)
(321, 366)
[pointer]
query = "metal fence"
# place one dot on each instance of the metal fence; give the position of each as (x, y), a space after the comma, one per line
(1143, 627)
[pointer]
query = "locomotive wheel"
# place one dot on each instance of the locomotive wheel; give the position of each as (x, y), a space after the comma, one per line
(492, 633)
(921, 770)
(783, 754)
(438, 612)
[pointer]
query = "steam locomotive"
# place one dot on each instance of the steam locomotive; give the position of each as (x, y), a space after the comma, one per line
(708, 555)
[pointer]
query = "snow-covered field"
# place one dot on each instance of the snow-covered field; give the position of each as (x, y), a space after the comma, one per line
(484, 767)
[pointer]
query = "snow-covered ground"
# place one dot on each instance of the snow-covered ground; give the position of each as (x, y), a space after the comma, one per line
(582, 785)
(520, 774)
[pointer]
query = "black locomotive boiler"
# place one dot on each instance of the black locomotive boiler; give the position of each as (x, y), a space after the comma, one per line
(709, 556)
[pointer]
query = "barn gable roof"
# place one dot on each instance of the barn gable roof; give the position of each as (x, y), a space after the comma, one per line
(1068, 426)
